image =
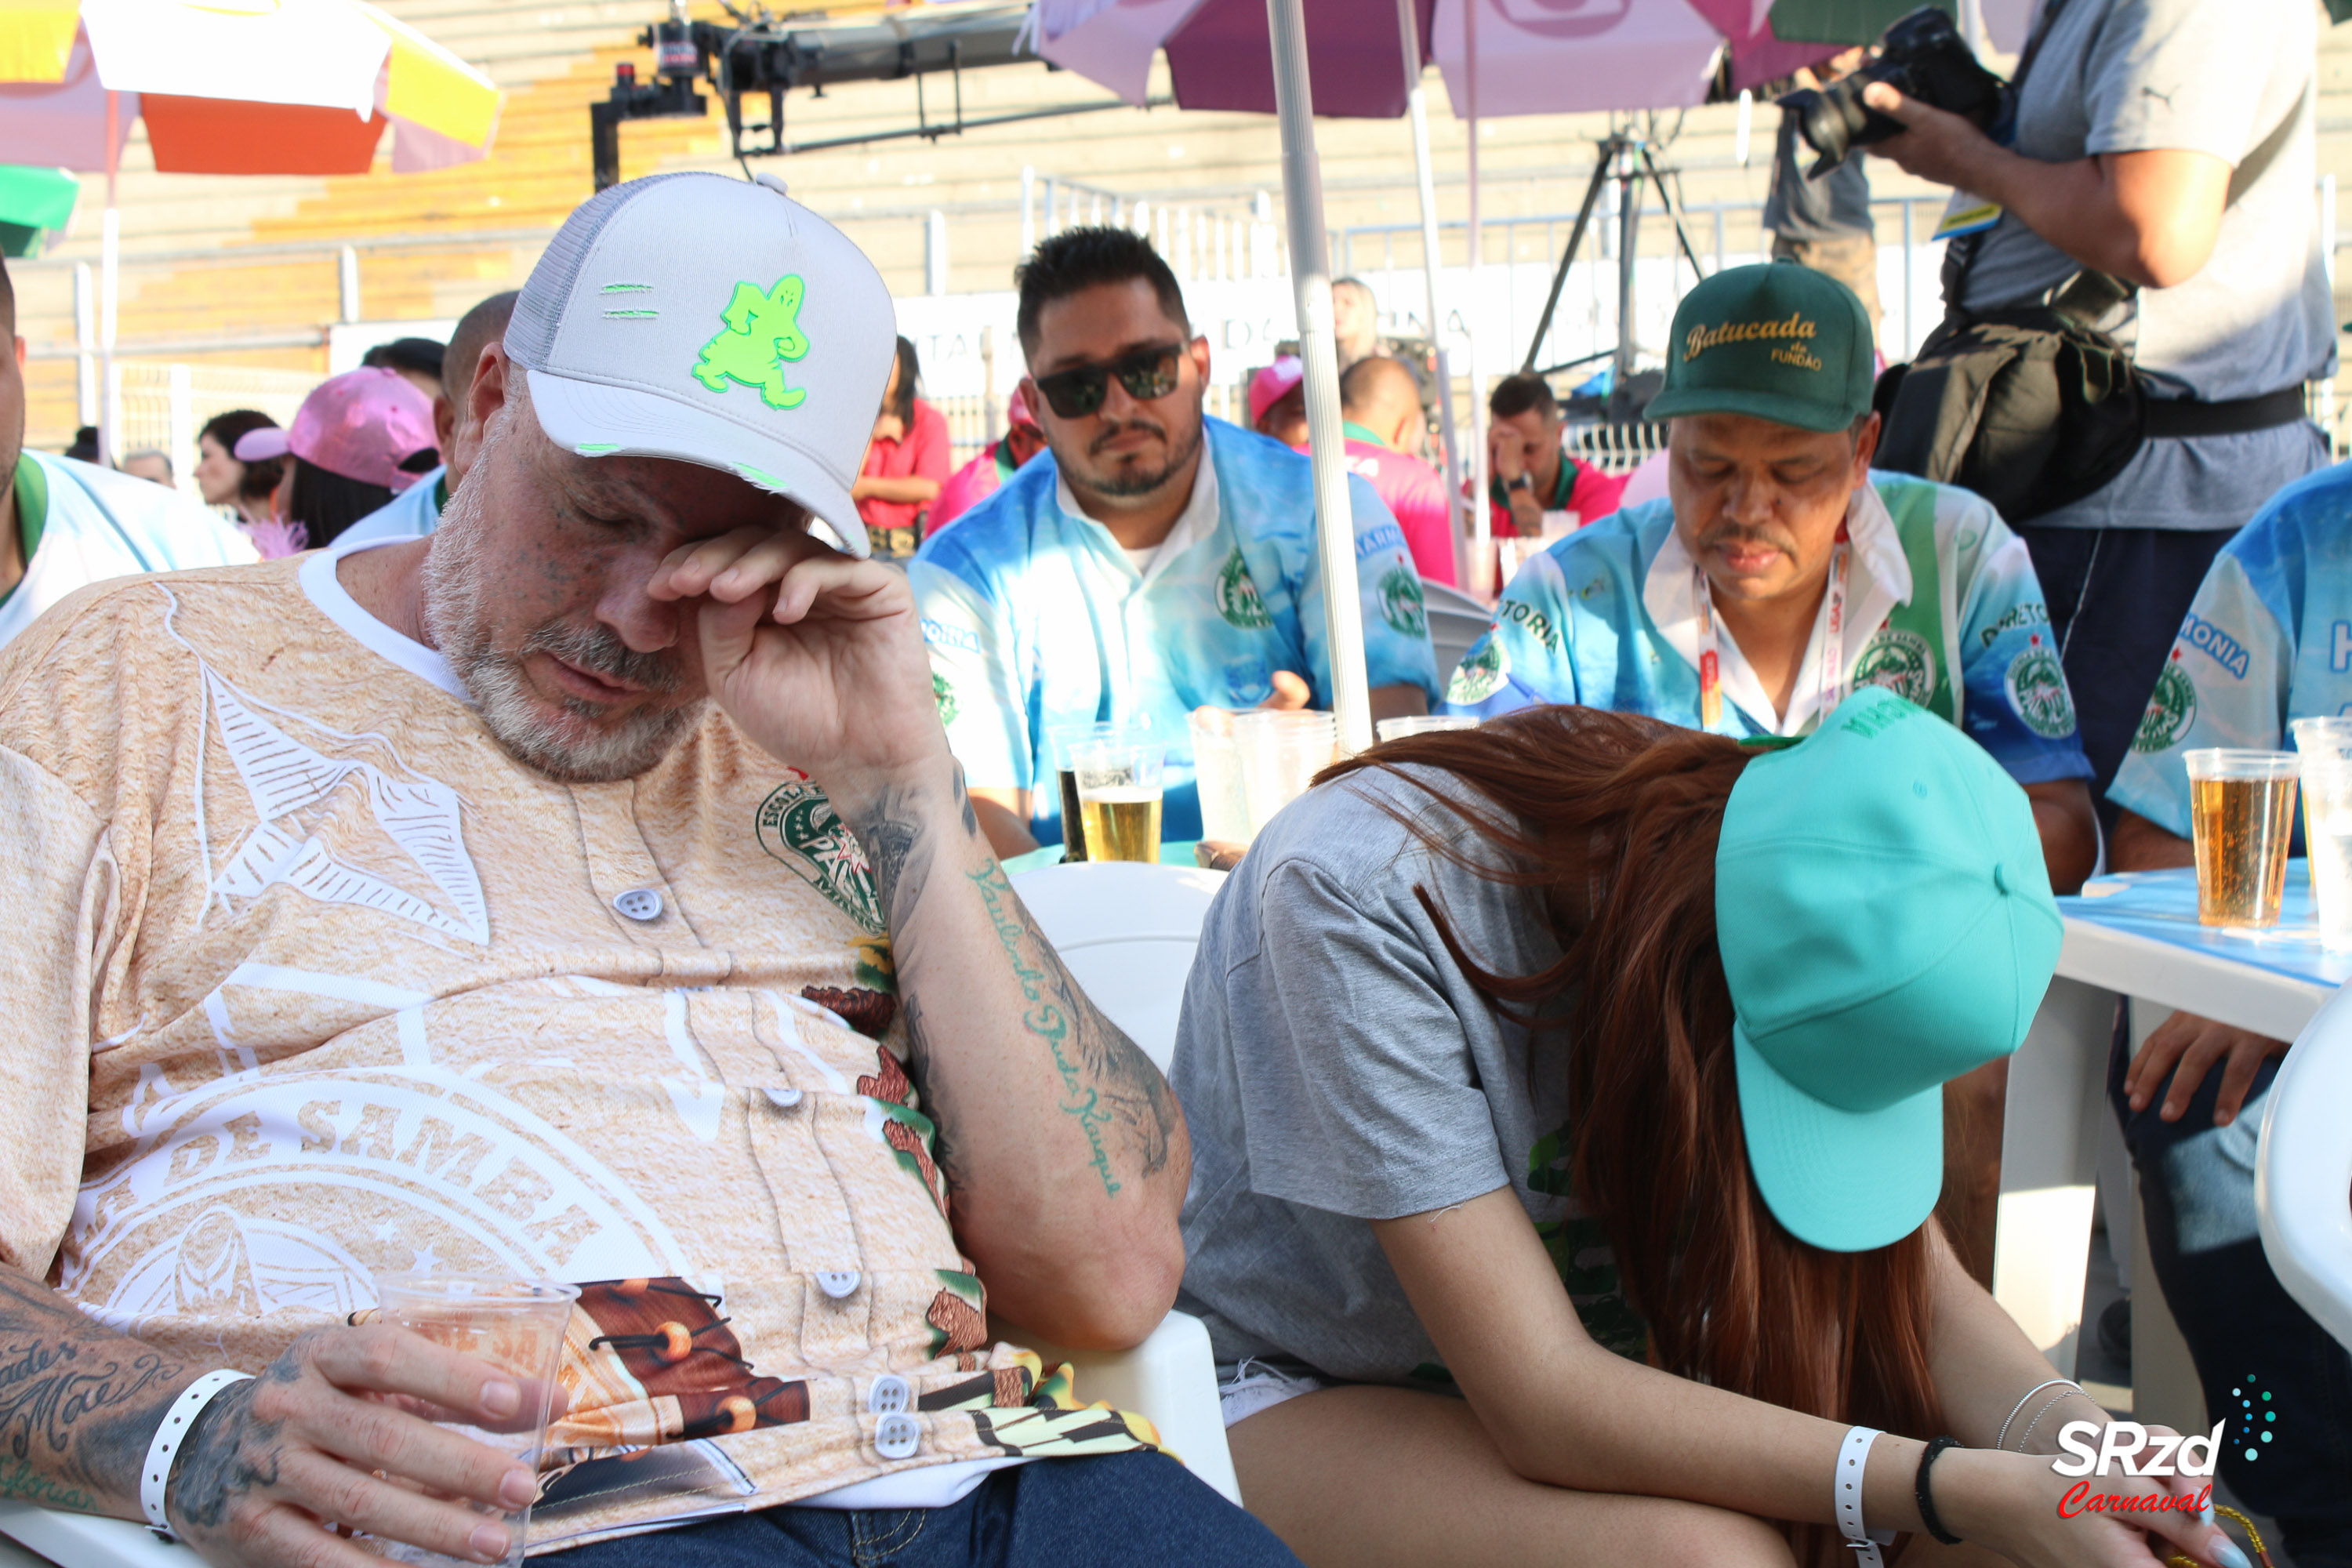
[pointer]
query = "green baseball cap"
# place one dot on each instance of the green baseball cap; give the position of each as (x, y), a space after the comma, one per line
(1774, 340)
(1885, 924)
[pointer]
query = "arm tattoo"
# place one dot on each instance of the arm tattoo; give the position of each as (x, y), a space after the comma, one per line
(78, 1404)
(1110, 1087)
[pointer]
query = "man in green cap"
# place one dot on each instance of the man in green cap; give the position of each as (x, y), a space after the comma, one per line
(1781, 573)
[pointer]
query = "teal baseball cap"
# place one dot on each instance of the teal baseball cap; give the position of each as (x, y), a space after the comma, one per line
(1773, 341)
(1886, 925)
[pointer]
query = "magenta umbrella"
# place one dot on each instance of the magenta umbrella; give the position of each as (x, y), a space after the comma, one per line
(1577, 54)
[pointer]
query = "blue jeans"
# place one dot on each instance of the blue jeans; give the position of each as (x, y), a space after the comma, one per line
(2284, 1384)
(1135, 1511)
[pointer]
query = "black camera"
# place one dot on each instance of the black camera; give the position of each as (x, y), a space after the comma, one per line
(1922, 57)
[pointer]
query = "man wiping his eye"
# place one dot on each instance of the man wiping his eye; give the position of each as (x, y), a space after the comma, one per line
(1151, 562)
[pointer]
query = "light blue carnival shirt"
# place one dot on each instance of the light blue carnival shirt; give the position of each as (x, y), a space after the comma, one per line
(1606, 617)
(94, 523)
(1036, 618)
(2267, 639)
(412, 514)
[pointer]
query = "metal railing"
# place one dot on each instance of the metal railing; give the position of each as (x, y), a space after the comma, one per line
(162, 407)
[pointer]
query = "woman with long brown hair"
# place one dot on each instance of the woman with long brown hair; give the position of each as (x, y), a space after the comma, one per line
(1576, 1034)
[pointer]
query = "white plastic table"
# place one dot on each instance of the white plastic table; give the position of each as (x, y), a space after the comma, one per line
(2135, 936)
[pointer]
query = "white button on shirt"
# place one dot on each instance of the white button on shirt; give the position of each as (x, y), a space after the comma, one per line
(891, 1395)
(898, 1436)
(838, 1283)
(640, 904)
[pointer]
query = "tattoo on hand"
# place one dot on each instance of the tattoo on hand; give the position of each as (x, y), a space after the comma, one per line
(229, 1451)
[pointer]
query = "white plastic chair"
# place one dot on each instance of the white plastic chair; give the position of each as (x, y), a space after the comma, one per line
(2303, 1169)
(1126, 932)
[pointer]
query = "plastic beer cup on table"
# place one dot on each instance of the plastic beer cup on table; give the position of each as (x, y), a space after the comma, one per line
(1217, 774)
(1062, 739)
(1118, 779)
(2242, 816)
(515, 1325)
(1421, 724)
(1282, 750)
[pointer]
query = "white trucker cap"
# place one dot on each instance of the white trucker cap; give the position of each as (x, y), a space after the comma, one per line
(713, 320)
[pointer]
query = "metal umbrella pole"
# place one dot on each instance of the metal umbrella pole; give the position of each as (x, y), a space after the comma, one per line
(1417, 112)
(1310, 278)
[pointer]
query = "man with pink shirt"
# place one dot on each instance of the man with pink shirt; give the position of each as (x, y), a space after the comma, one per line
(1381, 405)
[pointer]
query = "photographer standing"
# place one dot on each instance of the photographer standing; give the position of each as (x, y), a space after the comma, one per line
(2167, 144)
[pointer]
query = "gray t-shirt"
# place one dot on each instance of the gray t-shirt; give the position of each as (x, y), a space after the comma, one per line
(2204, 76)
(1336, 1067)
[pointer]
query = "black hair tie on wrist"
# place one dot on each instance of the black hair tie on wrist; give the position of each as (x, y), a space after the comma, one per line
(1925, 1497)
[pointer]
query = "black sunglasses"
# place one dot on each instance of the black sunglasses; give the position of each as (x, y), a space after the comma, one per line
(1147, 374)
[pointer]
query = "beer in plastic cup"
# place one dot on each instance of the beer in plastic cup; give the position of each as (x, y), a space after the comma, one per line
(1282, 751)
(1064, 739)
(515, 1325)
(1217, 774)
(1420, 724)
(1118, 797)
(2242, 815)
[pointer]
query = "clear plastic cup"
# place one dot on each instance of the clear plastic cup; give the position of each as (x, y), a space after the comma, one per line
(515, 1325)
(1421, 724)
(1281, 753)
(1118, 780)
(1217, 774)
(2330, 736)
(1061, 742)
(2327, 839)
(2242, 815)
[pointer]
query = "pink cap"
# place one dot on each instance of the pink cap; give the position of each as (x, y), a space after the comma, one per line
(363, 425)
(1272, 385)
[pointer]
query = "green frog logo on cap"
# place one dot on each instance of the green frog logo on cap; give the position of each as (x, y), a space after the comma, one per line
(762, 333)
(2171, 708)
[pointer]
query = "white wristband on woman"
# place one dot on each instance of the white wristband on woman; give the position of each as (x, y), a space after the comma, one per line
(157, 1471)
(1853, 1455)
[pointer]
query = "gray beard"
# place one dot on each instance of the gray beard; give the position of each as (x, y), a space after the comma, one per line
(579, 744)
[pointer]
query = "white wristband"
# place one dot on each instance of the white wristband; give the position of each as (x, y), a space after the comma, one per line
(177, 1420)
(1853, 1455)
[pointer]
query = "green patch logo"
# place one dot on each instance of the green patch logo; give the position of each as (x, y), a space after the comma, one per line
(944, 695)
(1237, 597)
(1900, 661)
(762, 333)
(2037, 690)
(2171, 708)
(797, 825)
(1481, 672)
(1401, 601)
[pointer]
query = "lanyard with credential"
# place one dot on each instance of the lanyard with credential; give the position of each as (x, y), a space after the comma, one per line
(1710, 662)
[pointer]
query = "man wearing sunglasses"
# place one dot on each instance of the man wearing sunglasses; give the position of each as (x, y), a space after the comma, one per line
(1153, 563)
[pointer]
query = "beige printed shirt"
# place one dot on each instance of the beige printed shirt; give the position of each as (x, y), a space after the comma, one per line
(310, 981)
